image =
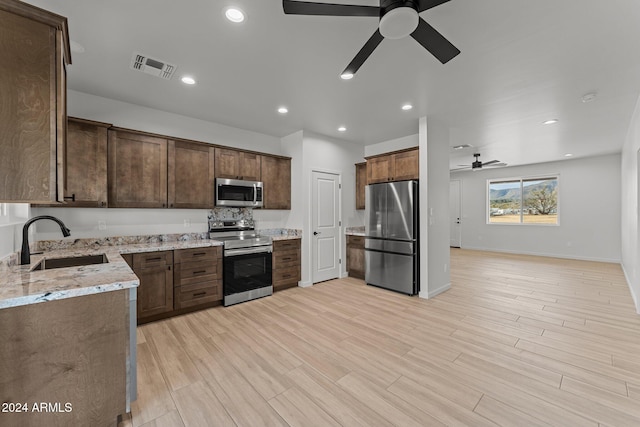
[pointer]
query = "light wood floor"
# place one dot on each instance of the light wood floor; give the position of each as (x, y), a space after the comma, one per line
(517, 341)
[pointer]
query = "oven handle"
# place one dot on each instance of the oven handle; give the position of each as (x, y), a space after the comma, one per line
(247, 251)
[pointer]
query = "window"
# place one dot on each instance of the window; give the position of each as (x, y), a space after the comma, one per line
(523, 201)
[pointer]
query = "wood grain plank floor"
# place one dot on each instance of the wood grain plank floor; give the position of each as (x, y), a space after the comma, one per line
(518, 340)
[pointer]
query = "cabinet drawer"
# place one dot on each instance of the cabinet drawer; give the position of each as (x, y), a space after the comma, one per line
(197, 254)
(191, 295)
(286, 275)
(195, 272)
(284, 259)
(285, 245)
(355, 241)
(152, 259)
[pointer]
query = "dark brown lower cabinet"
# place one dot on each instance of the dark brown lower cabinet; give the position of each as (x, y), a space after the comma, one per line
(286, 264)
(197, 277)
(355, 256)
(155, 293)
(176, 282)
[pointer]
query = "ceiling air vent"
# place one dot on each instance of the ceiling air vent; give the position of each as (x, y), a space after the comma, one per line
(155, 67)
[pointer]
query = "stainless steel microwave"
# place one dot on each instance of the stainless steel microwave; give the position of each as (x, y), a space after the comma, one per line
(238, 193)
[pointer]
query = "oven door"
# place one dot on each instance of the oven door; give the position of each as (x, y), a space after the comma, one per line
(247, 274)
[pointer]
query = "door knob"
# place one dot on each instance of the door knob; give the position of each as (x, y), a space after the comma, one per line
(315, 233)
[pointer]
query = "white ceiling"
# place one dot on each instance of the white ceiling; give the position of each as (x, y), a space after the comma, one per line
(522, 62)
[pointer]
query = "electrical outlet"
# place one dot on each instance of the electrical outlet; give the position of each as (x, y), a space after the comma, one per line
(187, 223)
(102, 225)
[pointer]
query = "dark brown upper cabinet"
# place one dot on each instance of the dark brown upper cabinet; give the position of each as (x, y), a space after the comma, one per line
(397, 166)
(85, 163)
(34, 51)
(191, 175)
(276, 176)
(137, 170)
(361, 182)
(237, 164)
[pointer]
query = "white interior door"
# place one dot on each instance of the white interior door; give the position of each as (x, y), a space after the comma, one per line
(454, 214)
(325, 225)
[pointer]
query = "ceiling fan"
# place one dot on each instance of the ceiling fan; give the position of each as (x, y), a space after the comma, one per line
(477, 164)
(398, 19)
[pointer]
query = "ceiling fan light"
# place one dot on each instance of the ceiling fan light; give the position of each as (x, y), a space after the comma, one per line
(399, 22)
(346, 76)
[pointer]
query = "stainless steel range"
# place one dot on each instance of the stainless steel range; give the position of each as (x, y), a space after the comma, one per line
(247, 260)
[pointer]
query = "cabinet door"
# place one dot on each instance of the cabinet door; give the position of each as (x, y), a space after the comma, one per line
(361, 182)
(406, 165)
(379, 169)
(137, 170)
(155, 293)
(190, 175)
(236, 164)
(276, 176)
(86, 164)
(30, 114)
(250, 166)
(355, 256)
(227, 163)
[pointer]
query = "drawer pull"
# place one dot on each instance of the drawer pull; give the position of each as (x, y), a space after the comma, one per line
(154, 259)
(286, 276)
(286, 259)
(199, 272)
(200, 254)
(199, 294)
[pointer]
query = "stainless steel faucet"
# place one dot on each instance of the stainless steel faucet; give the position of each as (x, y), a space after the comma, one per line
(25, 255)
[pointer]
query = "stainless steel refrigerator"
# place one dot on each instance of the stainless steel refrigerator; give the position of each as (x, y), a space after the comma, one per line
(391, 236)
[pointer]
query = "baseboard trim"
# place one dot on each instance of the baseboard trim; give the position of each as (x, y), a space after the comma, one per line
(305, 284)
(549, 255)
(435, 292)
(636, 301)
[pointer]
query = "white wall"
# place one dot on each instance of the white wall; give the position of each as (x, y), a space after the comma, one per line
(630, 213)
(83, 222)
(392, 145)
(589, 217)
(131, 116)
(435, 217)
(326, 154)
(12, 218)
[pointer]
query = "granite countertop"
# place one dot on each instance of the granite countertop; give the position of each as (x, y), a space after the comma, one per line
(281, 233)
(21, 286)
(354, 231)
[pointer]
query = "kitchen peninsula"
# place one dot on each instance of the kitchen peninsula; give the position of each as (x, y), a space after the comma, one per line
(69, 334)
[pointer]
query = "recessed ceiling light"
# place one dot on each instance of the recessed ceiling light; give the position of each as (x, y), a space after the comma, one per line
(188, 80)
(342, 129)
(551, 121)
(407, 107)
(234, 14)
(568, 155)
(346, 76)
(588, 97)
(283, 110)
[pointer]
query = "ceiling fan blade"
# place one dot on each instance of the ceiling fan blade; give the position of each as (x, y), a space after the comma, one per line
(459, 169)
(490, 162)
(364, 53)
(428, 4)
(308, 8)
(496, 165)
(434, 42)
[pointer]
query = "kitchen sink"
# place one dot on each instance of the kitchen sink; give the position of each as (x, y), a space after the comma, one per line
(51, 263)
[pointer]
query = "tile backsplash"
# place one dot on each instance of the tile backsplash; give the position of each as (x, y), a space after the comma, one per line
(229, 214)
